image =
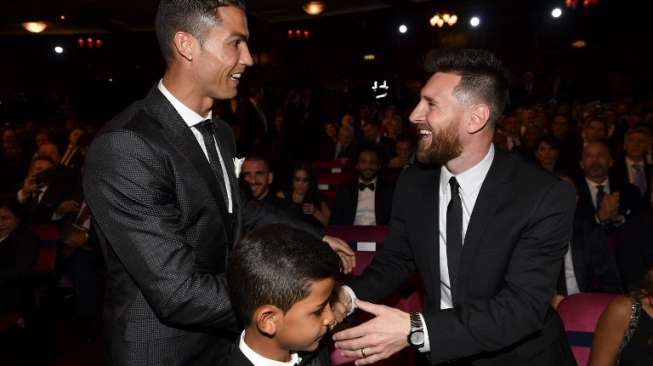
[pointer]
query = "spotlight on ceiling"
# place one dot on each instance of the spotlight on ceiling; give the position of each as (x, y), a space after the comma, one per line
(403, 29)
(58, 50)
(475, 22)
(556, 13)
(34, 27)
(314, 7)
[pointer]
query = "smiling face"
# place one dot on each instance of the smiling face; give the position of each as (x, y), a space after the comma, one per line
(308, 320)
(438, 116)
(223, 57)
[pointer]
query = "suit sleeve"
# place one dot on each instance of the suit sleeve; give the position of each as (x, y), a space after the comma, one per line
(520, 307)
(134, 206)
(394, 263)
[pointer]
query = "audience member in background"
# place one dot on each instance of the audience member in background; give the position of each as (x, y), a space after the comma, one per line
(616, 205)
(281, 281)
(344, 150)
(73, 157)
(369, 201)
(255, 123)
(594, 130)
(404, 150)
(597, 187)
(256, 172)
(632, 167)
(392, 127)
(305, 197)
(18, 252)
(512, 131)
(562, 134)
(624, 334)
(47, 195)
(532, 136)
(372, 136)
(547, 154)
(589, 264)
(41, 138)
(14, 166)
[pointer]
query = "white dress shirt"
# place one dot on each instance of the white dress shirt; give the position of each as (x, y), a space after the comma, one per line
(593, 190)
(192, 119)
(258, 360)
(470, 182)
(570, 274)
(365, 209)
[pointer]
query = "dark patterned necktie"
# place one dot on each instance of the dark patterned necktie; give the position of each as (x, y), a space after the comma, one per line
(210, 142)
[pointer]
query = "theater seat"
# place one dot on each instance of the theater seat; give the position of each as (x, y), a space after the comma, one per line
(580, 313)
(331, 182)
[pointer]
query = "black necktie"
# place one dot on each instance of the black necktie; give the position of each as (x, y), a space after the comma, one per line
(600, 194)
(363, 186)
(454, 233)
(206, 128)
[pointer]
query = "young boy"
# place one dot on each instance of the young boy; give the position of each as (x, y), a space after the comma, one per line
(281, 280)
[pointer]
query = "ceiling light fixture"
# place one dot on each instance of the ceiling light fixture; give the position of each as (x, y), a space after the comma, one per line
(34, 27)
(314, 7)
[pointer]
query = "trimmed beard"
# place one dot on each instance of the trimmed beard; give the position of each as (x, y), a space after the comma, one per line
(445, 146)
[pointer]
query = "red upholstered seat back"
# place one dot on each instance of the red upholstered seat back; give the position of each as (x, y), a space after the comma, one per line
(580, 313)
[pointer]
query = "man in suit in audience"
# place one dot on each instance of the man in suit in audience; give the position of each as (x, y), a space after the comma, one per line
(257, 174)
(160, 180)
(372, 136)
(369, 201)
(48, 194)
(344, 149)
(255, 122)
(614, 204)
(486, 231)
(632, 167)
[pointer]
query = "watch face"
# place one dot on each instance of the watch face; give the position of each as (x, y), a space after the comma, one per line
(417, 338)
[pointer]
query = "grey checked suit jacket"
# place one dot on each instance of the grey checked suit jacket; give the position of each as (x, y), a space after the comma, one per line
(165, 233)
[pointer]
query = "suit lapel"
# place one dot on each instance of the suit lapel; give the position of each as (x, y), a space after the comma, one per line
(493, 189)
(182, 139)
(425, 215)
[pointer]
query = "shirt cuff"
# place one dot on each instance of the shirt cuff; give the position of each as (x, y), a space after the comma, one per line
(353, 298)
(427, 343)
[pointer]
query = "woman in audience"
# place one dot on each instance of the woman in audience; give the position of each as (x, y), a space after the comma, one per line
(305, 196)
(624, 334)
(547, 154)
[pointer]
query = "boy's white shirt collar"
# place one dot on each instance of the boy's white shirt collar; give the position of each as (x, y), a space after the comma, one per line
(258, 360)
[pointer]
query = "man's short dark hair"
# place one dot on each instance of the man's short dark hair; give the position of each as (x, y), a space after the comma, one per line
(483, 77)
(276, 265)
(196, 17)
(261, 158)
(370, 149)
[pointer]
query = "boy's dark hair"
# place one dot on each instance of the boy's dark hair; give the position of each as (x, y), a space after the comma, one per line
(276, 265)
(192, 16)
(483, 77)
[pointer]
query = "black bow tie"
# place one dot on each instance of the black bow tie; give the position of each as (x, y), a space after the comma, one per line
(362, 186)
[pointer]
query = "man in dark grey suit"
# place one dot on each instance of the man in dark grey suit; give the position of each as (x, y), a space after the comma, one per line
(161, 182)
(486, 231)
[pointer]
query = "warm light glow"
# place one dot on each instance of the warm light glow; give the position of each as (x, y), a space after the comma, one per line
(314, 7)
(556, 13)
(403, 29)
(62, 17)
(440, 20)
(370, 57)
(58, 50)
(34, 27)
(475, 22)
(579, 44)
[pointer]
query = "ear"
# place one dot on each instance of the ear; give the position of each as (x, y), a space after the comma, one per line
(184, 45)
(270, 177)
(268, 319)
(478, 117)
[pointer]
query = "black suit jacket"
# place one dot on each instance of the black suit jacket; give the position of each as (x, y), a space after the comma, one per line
(18, 254)
(165, 233)
(630, 201)
(344, 207)
(513, 251)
